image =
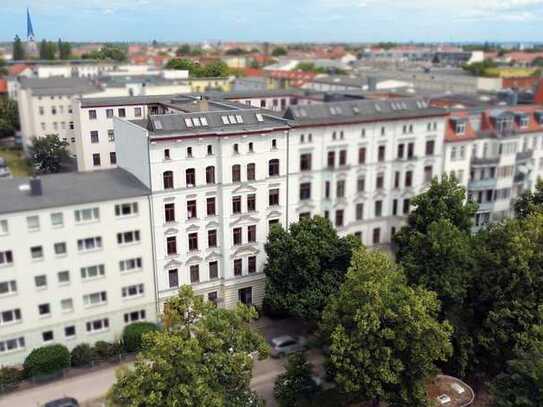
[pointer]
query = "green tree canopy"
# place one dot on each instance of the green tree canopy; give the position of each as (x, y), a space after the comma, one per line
(295, 386)
(306, 264)
(202, 358)
(108, 52)
(48, 50)
(279, 51)
(213, 69)
(64, 49)
(183, 50)
(18, 49)
(48, 154)
(9, 117)
(530, 202)
(384, 335)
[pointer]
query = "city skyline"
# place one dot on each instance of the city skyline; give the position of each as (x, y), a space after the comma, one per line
(240, 20)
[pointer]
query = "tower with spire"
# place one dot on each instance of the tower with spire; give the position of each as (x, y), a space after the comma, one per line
(31, 47)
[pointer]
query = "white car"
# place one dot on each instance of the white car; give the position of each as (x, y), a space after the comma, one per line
(4, 170)
(286, 344)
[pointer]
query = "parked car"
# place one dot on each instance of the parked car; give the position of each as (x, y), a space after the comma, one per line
(286, 344)
(4, 170)
(63, 402)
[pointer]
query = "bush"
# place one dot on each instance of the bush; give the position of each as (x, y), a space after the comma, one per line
(9, 378)
(46, 360)
(272, 311)
(296, 385)
(82, 355)
(106, 350)
(133, 334)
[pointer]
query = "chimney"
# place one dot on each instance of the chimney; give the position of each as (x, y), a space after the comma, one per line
(35, 187)
(538, 96)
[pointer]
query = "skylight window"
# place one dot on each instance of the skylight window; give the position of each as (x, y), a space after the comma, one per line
(225, 120)
(188, 122)
(157, 124)
(232, 119)
(203, 120)
(377, 107)
(356, 109)
(239, 119)
(332, 110)
(196, 122)
(259, 117)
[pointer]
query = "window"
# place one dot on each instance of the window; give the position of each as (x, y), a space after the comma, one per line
(92, 114)
(137, 111)
(305, 190)
(305, 162)
(274, 144)
(236, 235)
(397, 179)
(6, 257)
(126, 209)
(251, 172)
(401, 149)
(251, 264)
(122, 112)
(194, 273)
(408, 179)
(94, 136)
(130, 264)
(97, 298)
(362, 155)
(189, 152)
(167, 179)
(210, 204)
(406, 205)
(190, 177)
(134, 316)
(236, 204)
(430, 145)
(460, 128)
(380, 181)
(47, 336)
(340, 189)
(251, 233)
(381, 153)
(210, 175)
(236, 148)
(212, 238)
(193, 241)
(113, 158)
(236, 173)
(376, 235)
(339, 218)
(237, 267)
(91, 272)
(428, 173)
(60, 248)
(209, 149)
(97, 325)
(67, 305)
(343, 157)
(273, 197)
(86, 215)
(128, 237)
(8, 287)
(36, 252)
(132, 290)
(171, 245)
(394, 207)
(69, 331)
(331, 159)
(251, 202)
(251, 148)
(245, 295)
(213, 270)
(57, 219)
(10, 316)
(33, 223)
(361, 184)
(359, 211)
(109, 113)
(191, 209)
(11, 345)
(410, 150)
(167, 154)
(96, 159)
(378, 209)
(304, 215)
(273, 167)
(44, 309)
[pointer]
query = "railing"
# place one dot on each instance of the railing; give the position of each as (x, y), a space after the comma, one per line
(485, 161)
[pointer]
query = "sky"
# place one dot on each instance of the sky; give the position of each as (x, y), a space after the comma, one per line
(276, 20)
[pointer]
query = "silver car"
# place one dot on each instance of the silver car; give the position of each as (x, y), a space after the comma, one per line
(286, 344)
(4, 170)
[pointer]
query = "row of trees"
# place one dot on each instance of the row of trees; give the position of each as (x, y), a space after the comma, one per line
(109, 52)
(213, 69)
(48, 50)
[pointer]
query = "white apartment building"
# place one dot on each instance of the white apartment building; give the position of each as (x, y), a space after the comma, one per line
(76, 261)
(218, 181)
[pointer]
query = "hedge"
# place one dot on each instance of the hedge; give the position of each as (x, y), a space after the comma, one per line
(9, 378)
(133, 333)
(106, 350)
(46, 360)
(82, 355)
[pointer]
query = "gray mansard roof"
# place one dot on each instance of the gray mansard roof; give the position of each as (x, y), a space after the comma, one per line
(59, 86)
(73, 188)
(215, 122)
(360, 111)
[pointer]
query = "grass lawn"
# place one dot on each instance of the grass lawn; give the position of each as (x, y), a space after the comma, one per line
(16, 162)
(510, 72)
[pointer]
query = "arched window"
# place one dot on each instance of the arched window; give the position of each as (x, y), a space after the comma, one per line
(167, 179)
(210, 175)
(273, 167)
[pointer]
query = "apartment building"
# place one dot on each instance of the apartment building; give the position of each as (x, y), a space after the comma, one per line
(496, 153)
(218, 181)
(76, 260)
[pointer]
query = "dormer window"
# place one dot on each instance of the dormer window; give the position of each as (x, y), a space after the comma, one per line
(524, 121)
(460, 128)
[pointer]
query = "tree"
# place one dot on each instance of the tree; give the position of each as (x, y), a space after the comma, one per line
(384, 335)
(521, 384)
(309, 67)
(18, 49)
(530, 202)
(47, 50)
(279, 52)
(480, 68)
(296, 384)
(201, 358)
(236, 51)
(9, 117)
(181, 64)
(64, 49)
(507, 289)
(216, 69)
(48, 154)
(108, 52)
(183, 50)
(3, 67)
(306, 264)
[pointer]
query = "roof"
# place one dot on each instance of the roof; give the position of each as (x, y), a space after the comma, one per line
(72, 188)
(214, 123)
(124, 100)
(361, 111)
(3, 86)
(340, 80)
(58, 86)
(16, 69)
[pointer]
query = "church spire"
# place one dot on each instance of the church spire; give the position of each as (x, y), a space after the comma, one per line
(29, 29)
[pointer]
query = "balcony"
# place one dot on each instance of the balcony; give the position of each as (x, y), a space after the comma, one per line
(485, 161)
(487, 183)
(524, 155)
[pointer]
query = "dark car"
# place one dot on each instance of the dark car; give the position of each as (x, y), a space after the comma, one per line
(64, 402)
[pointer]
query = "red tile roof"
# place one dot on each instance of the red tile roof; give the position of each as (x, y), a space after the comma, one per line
(16, 69)
(3, 86)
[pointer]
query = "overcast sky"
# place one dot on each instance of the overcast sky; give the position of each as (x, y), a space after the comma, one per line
(276, 20)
